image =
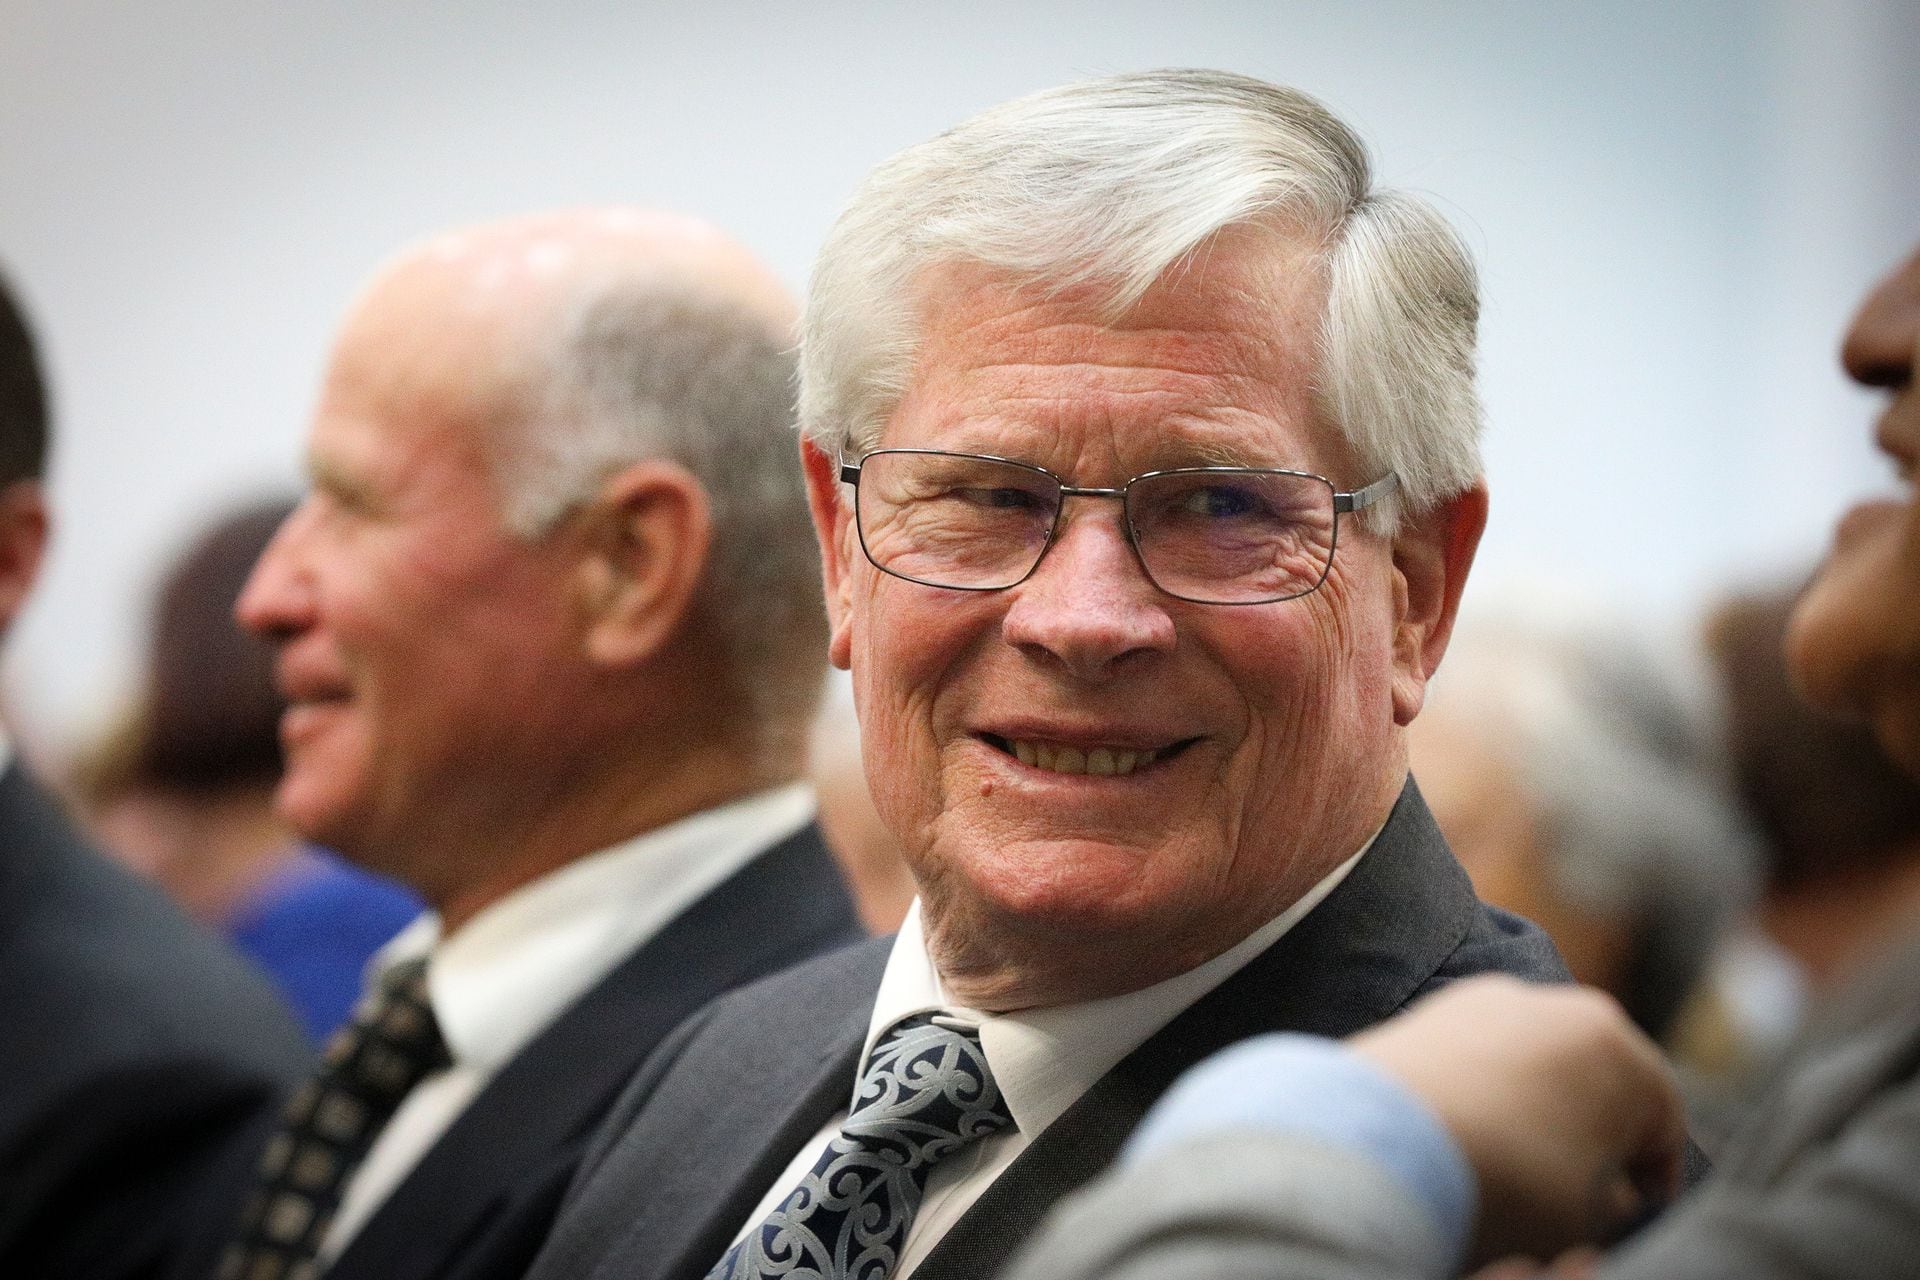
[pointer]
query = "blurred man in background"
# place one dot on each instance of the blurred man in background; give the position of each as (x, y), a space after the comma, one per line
(1576, 767)
(137, 1054)
(549, 628)
(1281, 1180)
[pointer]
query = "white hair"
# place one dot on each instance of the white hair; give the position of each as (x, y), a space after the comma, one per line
(641, 368)
(1113, 183)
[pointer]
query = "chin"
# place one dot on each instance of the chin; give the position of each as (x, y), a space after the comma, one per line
(307, 805)
(1067, 886)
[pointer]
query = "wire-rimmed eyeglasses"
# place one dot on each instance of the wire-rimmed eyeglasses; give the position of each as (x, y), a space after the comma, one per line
(1211, 535)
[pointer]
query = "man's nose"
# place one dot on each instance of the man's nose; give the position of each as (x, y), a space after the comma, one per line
(1881, 345)
(277, 601)
(1089, 607)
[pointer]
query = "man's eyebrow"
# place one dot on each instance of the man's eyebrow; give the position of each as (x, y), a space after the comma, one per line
(1216, 453)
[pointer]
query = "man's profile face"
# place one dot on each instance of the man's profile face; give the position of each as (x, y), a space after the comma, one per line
(1855, 640)
(1272, 724)
(420, 643)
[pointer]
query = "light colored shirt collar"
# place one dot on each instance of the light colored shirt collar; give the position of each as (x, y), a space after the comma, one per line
(1044, 1059)
(503, 977)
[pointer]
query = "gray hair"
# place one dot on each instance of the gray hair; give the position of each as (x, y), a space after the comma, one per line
(1614, 739)
(1114, 182)
(643, 368)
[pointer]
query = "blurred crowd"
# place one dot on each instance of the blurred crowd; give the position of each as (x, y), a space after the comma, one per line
(510, 747)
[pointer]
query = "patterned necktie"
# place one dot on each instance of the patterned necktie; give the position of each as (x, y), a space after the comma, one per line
(392, 1043)
(925, 1093)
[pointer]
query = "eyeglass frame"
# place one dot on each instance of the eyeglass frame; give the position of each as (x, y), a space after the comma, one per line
(1345, 502)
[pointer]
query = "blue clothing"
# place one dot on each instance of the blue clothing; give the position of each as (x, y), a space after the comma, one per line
(1317, 1088)
(313, 926)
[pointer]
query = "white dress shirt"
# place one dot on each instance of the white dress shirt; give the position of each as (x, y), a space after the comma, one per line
(1042, 1059)
(505, 976)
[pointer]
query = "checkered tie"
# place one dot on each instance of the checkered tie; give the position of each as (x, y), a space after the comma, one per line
(392, 1043)
(925, 1093)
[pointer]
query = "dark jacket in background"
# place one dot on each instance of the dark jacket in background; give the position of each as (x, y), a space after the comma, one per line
(137, 1054)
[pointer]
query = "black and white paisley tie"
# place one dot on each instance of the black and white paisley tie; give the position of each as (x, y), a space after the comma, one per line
(925, 1092)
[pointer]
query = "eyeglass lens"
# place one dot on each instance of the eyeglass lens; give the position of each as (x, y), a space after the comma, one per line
(1217, 535)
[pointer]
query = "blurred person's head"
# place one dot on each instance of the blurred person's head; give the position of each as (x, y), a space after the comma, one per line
(1113, 745)
(1839, 822)
(211, 712)
(180, 787)
(552, 585)
(24, 427)
(1573, 766)
(1855, 639)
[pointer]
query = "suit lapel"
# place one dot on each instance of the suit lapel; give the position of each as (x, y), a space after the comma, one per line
(520, 1137)
(775, 1064)
(1355, 959)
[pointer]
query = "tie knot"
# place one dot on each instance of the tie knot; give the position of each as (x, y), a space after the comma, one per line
(392, 1043)
(394, 1039)
(925, 1092)
(927, 1087)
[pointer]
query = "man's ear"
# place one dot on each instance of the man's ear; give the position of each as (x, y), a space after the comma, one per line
(1431, 556)
(833, 525)
(23, 542)
(648, 534)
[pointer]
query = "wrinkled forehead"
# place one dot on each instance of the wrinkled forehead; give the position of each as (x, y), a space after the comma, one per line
(1217, 363)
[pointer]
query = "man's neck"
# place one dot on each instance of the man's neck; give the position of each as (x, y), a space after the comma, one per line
(627, 803)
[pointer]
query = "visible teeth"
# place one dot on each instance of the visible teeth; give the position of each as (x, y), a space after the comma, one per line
(1104, 761)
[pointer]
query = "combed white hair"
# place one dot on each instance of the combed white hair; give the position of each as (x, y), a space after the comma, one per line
(640, 368)
(1113, 183)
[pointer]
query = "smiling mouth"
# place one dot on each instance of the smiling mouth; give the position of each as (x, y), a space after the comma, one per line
(1100, 761)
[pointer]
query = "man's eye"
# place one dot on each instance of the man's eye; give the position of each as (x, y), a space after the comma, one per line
(1005, 499)
(1222, 501)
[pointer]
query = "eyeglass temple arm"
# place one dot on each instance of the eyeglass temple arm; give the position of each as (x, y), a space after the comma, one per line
(1360, 499)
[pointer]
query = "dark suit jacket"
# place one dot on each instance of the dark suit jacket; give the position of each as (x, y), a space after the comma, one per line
(136, 1055)
(719, 1112)
(480, 1202)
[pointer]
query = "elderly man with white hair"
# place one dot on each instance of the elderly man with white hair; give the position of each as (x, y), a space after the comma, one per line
(549, 631)
(1141, 441)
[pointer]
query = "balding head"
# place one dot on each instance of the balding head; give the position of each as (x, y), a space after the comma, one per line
(501, 321)
(557, 526)
(582, 340)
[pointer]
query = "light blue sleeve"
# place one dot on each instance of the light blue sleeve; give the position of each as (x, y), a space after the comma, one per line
(1317, 1088)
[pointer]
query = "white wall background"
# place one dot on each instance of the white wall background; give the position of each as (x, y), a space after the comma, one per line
(1675, 207)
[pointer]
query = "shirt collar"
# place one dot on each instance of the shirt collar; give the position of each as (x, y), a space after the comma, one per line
(1044, 1059)
(507, 973)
